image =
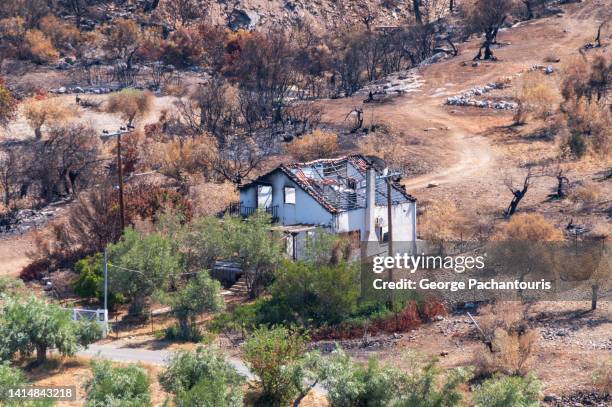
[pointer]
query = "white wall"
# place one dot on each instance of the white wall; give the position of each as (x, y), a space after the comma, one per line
(404, 217)
(305, 211)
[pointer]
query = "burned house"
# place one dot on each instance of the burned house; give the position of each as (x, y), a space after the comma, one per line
(346, 195)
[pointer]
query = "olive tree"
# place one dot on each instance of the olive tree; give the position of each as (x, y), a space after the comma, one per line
(200, 294)
(141, 266)
(34, 325)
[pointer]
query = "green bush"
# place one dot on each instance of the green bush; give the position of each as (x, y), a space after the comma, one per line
(127, 386)
(318, 293)
(251, 244)
(10, 285)
(424, 386)
(508, 391)
(275, 356)
(10, 378)
(202, 378)
(353, 384)
(91, 276)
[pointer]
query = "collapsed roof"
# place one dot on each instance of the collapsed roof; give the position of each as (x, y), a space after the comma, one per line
(339, 184)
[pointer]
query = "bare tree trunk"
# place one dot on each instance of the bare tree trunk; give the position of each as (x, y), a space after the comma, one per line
(527, 4)
(416, 5)
(594, 288)
(41, 353)
(454, 48)
(519, 194)
(598, 38)
(562, 185)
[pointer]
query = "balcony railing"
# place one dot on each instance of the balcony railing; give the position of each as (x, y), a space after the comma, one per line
(246, 211)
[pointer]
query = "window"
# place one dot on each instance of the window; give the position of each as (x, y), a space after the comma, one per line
(290, 195)
(382, 233)
(264, 196)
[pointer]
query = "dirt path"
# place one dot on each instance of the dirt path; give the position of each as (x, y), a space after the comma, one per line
(473, 153)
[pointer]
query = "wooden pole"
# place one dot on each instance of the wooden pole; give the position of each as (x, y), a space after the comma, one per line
(120, 176)
(390, 216)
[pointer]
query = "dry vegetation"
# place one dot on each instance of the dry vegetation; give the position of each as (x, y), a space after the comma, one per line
(207, 109)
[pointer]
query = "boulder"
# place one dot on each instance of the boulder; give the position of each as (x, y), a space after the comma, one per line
(245, 19)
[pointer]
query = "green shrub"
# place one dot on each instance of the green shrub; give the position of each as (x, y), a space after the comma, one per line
(10, 285)
(508, 391)
(318, 294)
(202, 378)
(353, 384)
(424, 386)
(91, 276)
(141, 266)
(127, 386)
(275, 356)
(10, 378)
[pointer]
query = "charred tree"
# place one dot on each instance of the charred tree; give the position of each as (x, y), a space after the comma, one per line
(518, 194)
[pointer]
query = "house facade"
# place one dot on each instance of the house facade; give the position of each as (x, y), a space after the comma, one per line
(345, 195)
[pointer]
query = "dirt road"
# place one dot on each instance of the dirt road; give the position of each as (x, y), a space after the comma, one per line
(473, 153)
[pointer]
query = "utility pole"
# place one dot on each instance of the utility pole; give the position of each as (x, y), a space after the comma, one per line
(105, 292)
(105, 279)
(389, 216)
(120, 176)
(106, 135)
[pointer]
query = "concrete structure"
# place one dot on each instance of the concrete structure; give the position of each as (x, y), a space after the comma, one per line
(341, 195)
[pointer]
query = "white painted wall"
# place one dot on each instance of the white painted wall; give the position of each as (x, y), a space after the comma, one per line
(404, 221)
(305, 211)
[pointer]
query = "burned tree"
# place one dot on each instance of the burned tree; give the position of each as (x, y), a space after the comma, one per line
(487, 17)
(357, 114)
(598, 37)
(66, 162)
(518, 193)
(562, 184)
(9, 163)
(238, 157)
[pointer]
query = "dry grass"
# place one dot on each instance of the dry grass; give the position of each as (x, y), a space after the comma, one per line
(507, 315)
(512, 354)
(513, 348)
(537, 95)
(39, 47)
(443, 221)
(587, 195)
(529, 227)
(602, 376)
(318, 144)
(211, 198)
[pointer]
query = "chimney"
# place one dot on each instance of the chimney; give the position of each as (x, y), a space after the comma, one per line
(369, 214)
